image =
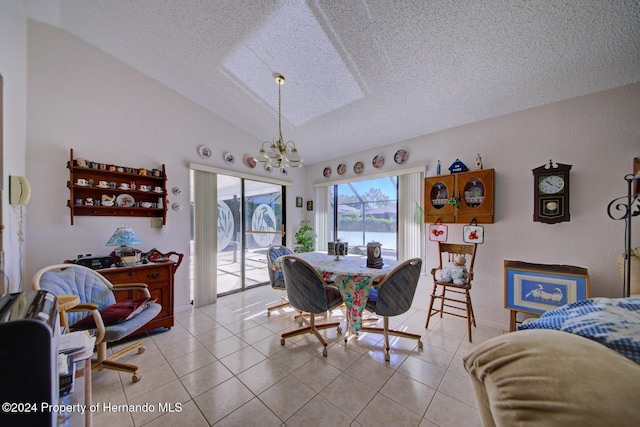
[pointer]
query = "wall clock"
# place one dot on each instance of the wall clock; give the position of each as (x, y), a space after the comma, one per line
(551, 193)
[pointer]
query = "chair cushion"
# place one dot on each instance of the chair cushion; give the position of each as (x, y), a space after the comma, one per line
(120, 330)
(115, 313)
(76, 281)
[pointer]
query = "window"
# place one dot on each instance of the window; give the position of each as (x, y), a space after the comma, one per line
(365, 211)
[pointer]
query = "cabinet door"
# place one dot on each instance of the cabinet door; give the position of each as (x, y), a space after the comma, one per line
(437, 192)
(475, 190)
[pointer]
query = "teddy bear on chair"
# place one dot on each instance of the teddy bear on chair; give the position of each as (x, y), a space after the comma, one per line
(455, 272)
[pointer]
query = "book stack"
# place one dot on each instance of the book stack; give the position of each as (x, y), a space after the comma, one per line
(72, 348)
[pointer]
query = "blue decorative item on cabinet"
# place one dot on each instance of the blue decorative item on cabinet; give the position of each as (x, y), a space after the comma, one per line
(457, 166)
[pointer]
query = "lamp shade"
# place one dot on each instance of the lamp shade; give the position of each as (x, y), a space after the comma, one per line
(124, 236)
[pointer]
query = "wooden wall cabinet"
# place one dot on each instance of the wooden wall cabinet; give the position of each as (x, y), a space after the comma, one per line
(147, 199)
(460, 197)
(159, 278)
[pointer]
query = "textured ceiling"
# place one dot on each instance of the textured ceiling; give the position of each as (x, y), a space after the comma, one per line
(363, 73)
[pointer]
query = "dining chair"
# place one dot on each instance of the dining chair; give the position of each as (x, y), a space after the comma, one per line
(97, 298)
(394, 297)
(454, 298)
(308, 293)
(275, 276)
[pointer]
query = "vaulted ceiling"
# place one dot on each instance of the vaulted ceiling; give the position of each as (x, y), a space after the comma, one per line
(363, 73)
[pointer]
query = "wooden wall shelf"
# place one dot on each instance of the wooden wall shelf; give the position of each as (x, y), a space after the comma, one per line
(148, 199)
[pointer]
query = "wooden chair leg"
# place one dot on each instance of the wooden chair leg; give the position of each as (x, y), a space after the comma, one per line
(469, 314)
(433, 297)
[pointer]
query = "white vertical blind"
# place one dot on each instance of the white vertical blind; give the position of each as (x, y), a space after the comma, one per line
(409, 231)
(206, 238)
(322, 217)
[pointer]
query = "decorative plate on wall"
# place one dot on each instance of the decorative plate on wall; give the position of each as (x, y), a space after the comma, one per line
(401, 156)
(326, 172)
(250, 161)
(342, 168)
(358, 168)
(229, 158)
(204, 151)
(378, 161)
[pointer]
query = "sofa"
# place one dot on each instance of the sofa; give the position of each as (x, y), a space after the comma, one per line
(580, 367)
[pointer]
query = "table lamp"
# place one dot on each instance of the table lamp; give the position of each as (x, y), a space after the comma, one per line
(123, 237)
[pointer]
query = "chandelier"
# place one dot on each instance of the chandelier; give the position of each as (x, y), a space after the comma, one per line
(277, 153)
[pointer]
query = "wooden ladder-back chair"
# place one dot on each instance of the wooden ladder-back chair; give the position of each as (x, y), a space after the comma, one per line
(454, 298)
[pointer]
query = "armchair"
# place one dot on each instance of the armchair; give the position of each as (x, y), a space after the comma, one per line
(308, 293)
(96, 293)
(276, 278)
(393, 297)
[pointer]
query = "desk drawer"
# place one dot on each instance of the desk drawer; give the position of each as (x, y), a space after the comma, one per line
(147, 276)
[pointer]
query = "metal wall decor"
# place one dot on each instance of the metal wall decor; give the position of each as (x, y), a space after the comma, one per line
(624, 208)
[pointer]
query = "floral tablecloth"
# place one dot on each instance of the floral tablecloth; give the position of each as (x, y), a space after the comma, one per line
(351, 275)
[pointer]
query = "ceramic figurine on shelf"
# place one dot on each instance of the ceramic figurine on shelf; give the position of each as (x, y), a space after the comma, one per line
(478, 161)
(438, 168)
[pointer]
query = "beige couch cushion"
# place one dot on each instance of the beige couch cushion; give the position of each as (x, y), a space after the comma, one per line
(551, 378)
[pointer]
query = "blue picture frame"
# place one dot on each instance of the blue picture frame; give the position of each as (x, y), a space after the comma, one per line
(536, 288)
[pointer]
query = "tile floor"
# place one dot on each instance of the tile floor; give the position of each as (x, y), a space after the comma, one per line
(223, 365)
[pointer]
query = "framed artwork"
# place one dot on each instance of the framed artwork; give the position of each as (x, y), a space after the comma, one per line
(309, 205)
(536, 288)
(298, 202)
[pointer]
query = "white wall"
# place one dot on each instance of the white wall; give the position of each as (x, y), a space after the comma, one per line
(81, 98)
(598, 134)
(13, 67)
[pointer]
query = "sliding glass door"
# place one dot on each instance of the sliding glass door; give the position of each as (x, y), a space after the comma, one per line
(263, 224)
(250, 218)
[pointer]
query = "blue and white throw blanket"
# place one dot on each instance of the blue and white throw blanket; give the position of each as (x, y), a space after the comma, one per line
(614, 323)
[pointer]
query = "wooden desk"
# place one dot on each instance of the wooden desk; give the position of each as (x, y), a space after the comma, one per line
(158, 276)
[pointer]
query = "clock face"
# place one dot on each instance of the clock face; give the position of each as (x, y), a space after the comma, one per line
(551, 184)
(376, 252)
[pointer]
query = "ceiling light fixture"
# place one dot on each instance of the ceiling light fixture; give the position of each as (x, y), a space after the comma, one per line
(277, 153)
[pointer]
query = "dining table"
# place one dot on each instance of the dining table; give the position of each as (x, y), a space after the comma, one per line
(351, 276)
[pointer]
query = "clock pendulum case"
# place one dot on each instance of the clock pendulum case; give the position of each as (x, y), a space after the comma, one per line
(551, 193)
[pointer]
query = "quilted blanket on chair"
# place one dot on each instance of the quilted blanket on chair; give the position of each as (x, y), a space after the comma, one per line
(613, 322)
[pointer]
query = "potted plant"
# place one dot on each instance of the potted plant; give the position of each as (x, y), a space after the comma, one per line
(305, 238)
